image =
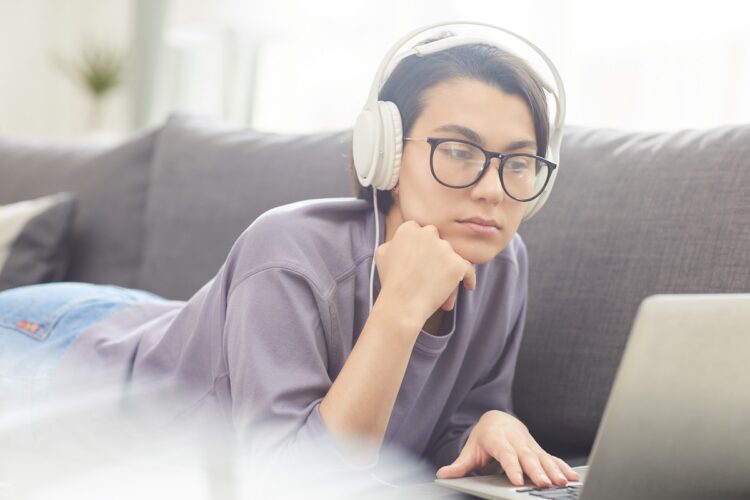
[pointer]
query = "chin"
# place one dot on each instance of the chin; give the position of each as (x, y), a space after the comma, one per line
(478, 253)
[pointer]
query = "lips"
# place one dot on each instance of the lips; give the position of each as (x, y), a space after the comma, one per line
(479, 226)
(482, 222)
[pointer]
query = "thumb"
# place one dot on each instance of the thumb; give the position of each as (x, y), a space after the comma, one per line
(459, 468)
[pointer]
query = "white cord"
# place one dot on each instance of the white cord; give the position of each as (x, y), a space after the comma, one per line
(377, 237)
(372, 276)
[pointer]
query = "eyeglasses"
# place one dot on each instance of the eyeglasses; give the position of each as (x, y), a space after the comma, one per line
(456, 163)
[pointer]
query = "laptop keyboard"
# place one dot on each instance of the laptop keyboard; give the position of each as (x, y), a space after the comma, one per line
(558, 492)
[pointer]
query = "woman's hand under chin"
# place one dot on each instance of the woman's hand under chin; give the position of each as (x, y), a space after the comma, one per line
(419, 270)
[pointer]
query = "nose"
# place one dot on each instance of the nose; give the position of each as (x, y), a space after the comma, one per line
(489, 187)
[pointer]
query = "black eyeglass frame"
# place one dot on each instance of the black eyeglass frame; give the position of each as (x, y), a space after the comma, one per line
(434, 142)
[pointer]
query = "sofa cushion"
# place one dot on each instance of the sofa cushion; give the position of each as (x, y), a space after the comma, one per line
(111, 185)
(631, 214)
(210, 181)
(34, 236)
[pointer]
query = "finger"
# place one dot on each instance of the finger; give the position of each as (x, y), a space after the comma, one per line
(567, 469)
(533, 468)
(459, 468)
(380, 250)
(470, 276)
(506, 455)
(562, 466)
(552, 468)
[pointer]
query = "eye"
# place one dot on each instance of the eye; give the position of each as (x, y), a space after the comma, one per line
(458, 151)
(519, 165)
(516, 166)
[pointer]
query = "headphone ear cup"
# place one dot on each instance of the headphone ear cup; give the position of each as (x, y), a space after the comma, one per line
(366, 141)
(392, 141)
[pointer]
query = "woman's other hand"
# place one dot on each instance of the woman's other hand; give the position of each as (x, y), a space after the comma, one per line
(502, 437)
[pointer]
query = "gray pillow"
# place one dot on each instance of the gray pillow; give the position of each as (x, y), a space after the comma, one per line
(34, 237)
(210, 181)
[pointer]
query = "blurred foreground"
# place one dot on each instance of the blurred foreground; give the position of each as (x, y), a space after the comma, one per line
(101, 443)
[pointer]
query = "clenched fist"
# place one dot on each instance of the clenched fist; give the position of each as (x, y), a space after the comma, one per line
(421, 271)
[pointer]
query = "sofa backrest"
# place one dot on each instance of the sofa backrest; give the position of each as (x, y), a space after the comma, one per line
(209, 182)
(631, 215)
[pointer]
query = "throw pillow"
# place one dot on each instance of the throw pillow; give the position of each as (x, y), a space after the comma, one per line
(34, 236)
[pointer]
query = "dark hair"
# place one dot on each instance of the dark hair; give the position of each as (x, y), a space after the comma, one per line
(415, 75)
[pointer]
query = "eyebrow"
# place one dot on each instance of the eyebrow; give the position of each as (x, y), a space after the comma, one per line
(475, 137)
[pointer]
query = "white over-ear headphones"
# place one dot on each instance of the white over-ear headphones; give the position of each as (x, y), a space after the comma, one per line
(378, 132)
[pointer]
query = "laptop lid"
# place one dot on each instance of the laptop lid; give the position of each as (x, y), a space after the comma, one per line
(677, 422)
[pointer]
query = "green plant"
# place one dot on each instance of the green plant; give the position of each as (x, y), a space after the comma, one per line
(100, 69)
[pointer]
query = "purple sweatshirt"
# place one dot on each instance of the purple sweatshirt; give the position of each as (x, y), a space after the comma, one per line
(264, 339)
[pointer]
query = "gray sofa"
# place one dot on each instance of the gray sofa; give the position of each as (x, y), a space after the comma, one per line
(632, 214)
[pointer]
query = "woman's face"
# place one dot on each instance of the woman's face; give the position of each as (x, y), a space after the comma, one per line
(475, 111)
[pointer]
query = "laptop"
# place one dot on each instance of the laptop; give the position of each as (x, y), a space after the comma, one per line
(677, 422)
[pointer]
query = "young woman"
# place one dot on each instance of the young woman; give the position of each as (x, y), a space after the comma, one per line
(283, 338)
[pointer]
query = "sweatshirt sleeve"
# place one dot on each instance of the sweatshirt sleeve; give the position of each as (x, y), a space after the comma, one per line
(276, 348)
(492, 392)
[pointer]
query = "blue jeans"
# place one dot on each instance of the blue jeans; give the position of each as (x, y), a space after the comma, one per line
(39, 322)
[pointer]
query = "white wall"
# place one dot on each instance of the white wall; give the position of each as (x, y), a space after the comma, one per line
(647, 64)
